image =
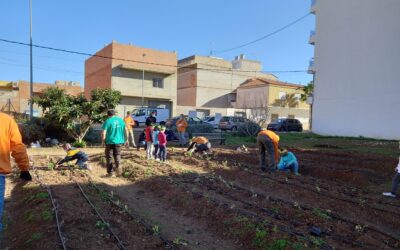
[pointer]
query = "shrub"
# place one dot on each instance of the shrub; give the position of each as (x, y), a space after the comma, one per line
(81, 144)
(248, 129)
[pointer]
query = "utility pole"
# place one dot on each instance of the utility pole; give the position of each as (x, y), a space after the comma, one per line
(31, 61)
(143, 55)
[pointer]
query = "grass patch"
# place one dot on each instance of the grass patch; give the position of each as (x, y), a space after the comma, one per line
(312, 141)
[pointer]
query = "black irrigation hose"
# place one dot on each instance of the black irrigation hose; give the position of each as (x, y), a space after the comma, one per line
(271, 214)
(235, 186)
(62, 238)
(148, 227)
(120, 244)
(317, 192)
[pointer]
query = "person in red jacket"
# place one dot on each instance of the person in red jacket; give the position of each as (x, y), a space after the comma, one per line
(162, 144)
(11, 143)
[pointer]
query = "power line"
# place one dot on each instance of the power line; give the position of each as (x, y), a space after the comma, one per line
(263, 37)
(150, 63)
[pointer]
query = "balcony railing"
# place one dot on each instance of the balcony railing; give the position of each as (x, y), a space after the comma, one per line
(313, 6)
(312, 37)
(311, 67)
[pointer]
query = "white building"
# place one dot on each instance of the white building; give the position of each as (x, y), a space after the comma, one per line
(356, 68)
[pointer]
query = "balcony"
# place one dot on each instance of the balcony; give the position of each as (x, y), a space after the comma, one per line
(311, 67)
(313, 6)
(312, 37)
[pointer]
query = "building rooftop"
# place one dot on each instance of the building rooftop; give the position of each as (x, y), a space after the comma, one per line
(258, 82)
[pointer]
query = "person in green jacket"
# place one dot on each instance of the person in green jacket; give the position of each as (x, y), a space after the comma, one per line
(288, 161)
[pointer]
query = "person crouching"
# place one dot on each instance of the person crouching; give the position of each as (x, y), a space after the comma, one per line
(199, 144)
(288, 162)
(75, 154)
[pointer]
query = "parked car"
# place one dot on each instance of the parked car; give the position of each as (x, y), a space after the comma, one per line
(213, 120)
(191, 120)
(231, 122)
(286, 124)
(140, 115)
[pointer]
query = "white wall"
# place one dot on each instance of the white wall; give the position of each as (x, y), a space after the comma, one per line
(357, 61)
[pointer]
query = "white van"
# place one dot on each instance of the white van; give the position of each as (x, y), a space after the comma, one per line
(140, 115)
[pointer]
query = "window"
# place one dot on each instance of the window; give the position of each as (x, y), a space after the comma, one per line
(297, 97)
(282, 95)
(158, 83)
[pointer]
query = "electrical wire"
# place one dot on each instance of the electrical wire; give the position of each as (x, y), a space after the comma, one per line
(142, 62)
(263, 37)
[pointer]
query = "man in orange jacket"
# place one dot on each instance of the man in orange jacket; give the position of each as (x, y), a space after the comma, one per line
(11, 143)
(268, 141)
(181, 126)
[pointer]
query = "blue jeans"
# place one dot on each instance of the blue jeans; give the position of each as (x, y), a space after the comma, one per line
(294, 167)
(182, 139)
(162, 152)
(156, 149)
(2, 189)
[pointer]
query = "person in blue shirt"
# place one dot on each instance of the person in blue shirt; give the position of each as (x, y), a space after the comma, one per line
(288, 162)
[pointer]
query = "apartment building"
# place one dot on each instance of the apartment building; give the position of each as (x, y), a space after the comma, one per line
(208, 85)
(14, 96)
(273, 99)
(145, 77)
(356, 68)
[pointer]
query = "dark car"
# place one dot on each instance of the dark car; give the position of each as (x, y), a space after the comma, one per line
(231, 122)
(286, 124)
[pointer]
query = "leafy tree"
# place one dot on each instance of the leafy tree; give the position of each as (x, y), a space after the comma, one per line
(75, 114)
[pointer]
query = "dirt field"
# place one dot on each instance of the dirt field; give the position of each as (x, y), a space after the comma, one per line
(221, 201)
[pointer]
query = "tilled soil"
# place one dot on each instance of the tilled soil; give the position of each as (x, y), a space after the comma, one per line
(223, 201)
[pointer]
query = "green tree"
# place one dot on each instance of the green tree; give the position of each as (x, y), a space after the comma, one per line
(75, 114)
(308, 91)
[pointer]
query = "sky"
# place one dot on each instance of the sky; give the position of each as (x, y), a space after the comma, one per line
(188, 27)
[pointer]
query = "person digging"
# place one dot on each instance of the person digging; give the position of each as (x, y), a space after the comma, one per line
(199, 145)
(268, 143)
(75, 154)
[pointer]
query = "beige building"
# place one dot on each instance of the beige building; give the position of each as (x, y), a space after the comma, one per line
(273, 99)
(208, 84)
(14, 96)
(145, 77)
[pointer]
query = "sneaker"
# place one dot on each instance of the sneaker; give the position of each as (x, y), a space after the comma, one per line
(389, 194)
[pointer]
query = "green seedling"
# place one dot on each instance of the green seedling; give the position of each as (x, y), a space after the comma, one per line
(47, 215)
(29, 216)
(179, 241)
(51, 166)
(101, 225)
(260, 239)
(156, 230)
(34, 237)
(298, 246)
(42, 195)
(126, 174)
(317, 241)
(322, 214)
(279, 245)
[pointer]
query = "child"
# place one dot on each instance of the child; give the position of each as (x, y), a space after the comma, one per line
(75, 154)
(288, 162)
(142, 140)
(155, 141)
(149, 140)
(162, 143)
(395, 182)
